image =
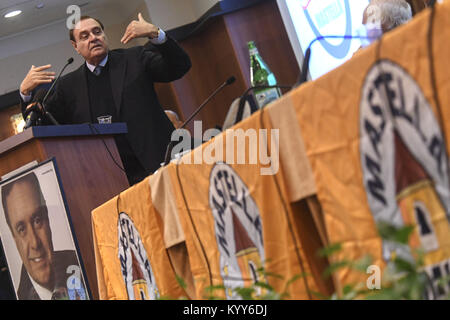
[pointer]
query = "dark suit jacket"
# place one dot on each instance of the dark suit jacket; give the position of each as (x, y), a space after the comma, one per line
(132, 72)
(61, 261)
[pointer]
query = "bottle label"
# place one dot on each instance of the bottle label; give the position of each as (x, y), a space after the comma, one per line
(266, 96)
(253, 51)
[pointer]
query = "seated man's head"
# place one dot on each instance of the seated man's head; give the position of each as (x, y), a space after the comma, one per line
(388, 13)
(27, 218)
(173, 117)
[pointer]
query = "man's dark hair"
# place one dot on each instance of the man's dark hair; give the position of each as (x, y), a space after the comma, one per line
(6, 190)
(81, 19)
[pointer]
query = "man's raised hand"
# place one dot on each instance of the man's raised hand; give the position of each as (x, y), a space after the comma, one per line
(139, 29)
(35, 77)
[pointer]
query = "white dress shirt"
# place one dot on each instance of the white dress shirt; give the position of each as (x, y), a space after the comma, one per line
(42, 292)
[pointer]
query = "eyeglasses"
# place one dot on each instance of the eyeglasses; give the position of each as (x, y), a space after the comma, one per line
(84, 36)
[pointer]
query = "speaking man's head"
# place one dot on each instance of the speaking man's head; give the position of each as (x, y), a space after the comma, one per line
(27, 217)
(89, 39)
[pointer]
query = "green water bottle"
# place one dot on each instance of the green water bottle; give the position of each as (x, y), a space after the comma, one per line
(260, 75)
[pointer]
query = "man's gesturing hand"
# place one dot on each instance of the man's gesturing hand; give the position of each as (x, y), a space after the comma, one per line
(139, 29)
(35, 77)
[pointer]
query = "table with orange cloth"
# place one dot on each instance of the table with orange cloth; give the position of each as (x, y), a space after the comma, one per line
(365, 143)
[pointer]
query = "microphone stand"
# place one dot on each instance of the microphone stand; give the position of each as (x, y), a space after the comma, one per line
(171, 143)
(46, 113)
(305, 68)
(204, 103)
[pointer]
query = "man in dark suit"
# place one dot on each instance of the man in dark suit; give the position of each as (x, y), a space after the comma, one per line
(118, 83)
(44, 271)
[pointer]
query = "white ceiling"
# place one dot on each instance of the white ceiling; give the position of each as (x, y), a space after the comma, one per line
(53, 11)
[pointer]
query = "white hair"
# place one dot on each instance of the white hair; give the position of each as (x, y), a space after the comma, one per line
(388, 13)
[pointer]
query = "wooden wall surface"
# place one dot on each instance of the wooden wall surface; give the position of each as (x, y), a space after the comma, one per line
(219, 51)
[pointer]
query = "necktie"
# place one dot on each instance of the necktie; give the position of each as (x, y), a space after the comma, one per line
(97, 70)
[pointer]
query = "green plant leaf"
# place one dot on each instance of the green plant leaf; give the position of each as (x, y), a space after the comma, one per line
(263, 285)
(330, 250)
(215, 287)
(181, 281)
(350, 295)
(272, 295)
(444, 280)
(363, 263)
(403, 265)
(209, 292)
(384, 294)
(319, 295)
(388, 231)
(270, 274)
(333, 267)
(245, 293)
(295, 278)
(347, 289)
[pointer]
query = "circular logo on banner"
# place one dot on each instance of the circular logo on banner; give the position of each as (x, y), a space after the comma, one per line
(136, 269)
(403, 156)
(238, 229)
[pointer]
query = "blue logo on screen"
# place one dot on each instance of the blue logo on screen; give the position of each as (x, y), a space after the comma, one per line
(327, 15)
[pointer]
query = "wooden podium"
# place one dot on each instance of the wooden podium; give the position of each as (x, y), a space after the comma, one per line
(88, 175)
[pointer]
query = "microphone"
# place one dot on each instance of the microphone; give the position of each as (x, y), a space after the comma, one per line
(46, 113)
(34, 109)
(305, 68)
(229, 81)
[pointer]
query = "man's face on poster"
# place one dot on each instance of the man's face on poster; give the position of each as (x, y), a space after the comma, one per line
(31, 231)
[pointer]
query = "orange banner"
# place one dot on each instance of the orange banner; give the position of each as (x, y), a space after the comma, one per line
(376, 135)
(237, 218)
(131, 257)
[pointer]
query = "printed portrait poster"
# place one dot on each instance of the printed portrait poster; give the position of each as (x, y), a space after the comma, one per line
(37, 238)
